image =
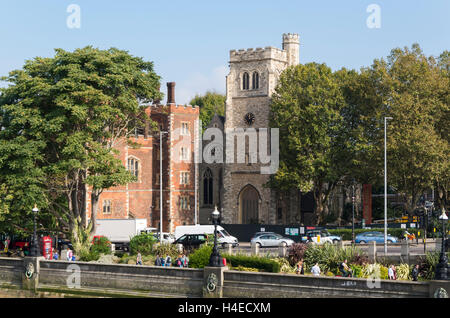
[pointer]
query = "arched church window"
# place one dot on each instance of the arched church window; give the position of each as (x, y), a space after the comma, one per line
(208, 187)
(246, 81)
(255, 80)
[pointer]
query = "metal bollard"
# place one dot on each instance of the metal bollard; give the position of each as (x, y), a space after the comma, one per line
(282, 250)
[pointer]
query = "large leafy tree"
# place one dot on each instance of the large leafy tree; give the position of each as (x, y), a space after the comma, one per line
(409, 87)
(306, 107)
(211, 103)
(61, 120)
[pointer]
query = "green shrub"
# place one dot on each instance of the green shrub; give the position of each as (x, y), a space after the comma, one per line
(261, 263)
(142, 243)
(101, 245)
(374, 271)
(403, 272)
(199, 258)
(356, 270)
(244, 269)
(330, 256)
(89, 256)
(428, 264)
(166, 249)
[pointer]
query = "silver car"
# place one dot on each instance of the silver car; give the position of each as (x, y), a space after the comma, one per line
(271, 240)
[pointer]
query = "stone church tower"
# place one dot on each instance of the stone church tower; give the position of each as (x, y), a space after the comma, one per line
(250, 84)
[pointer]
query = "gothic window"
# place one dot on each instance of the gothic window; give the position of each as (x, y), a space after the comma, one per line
(106, 206)
(245, 81)
(208, 187)
(133, 166)
(255, 80)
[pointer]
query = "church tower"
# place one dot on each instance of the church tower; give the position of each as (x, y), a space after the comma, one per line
(252, 79)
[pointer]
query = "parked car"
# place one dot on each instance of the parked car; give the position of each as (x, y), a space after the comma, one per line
(333, 238)
(271, 240)
(223, 237)
(191, 240)
(166, 237)
(257, 234)
(313, 237)
(374, 237)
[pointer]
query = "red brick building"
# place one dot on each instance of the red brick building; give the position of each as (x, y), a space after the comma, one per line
(141, 199)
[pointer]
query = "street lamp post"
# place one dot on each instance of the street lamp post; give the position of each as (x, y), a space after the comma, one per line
(385, 184)
(353, 213)
(35, 248)
(442, 266)
(215, 259)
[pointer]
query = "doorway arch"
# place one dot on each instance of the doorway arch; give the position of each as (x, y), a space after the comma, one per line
(249, 200)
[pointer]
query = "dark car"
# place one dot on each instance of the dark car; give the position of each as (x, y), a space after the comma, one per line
(191, 240)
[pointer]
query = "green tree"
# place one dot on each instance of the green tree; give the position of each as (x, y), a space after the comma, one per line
(211, 103)
(410, 87)
(61, 120)
(306, 107)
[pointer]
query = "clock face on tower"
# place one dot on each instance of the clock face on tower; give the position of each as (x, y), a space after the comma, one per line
(249, 119)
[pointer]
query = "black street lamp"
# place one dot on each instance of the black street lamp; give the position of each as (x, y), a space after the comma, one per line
(353, 212)
(442, 267)
(215, 260)
(35, 247)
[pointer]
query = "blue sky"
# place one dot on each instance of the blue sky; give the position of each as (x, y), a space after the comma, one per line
(189, 41)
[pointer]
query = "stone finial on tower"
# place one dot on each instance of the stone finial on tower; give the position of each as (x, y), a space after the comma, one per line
(291, 44)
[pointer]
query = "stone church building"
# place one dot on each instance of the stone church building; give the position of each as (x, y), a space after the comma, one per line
(239, 189)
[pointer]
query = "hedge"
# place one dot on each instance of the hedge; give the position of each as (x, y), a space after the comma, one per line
(261, 263)
(346, 234)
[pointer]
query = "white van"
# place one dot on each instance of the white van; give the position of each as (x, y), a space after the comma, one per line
(223, 237)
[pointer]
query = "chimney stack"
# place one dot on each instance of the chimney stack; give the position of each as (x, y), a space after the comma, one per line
(171, 93)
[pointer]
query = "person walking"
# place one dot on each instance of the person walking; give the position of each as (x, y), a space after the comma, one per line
(391, 273)
(299, 268)
(315, 270)
(415, 273)
(69, 254)
(139, 259)
(185, 261)
(168, 261)
(158, 260)
(179, 261)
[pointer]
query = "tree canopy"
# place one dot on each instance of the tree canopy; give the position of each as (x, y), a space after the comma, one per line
(61, 119)
(211, 103)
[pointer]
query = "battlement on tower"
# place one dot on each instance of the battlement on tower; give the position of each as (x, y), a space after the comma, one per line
(269, 52)
(291, 38)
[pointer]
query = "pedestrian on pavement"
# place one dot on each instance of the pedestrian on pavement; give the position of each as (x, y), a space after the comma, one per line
(299, 268)
(391, 273)
(168, 261)
(69, 254)
(158, 260)
(179, 261)
(315, 270)
(185, 261)
(344, 269)
(415, 273)
(139, 259)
